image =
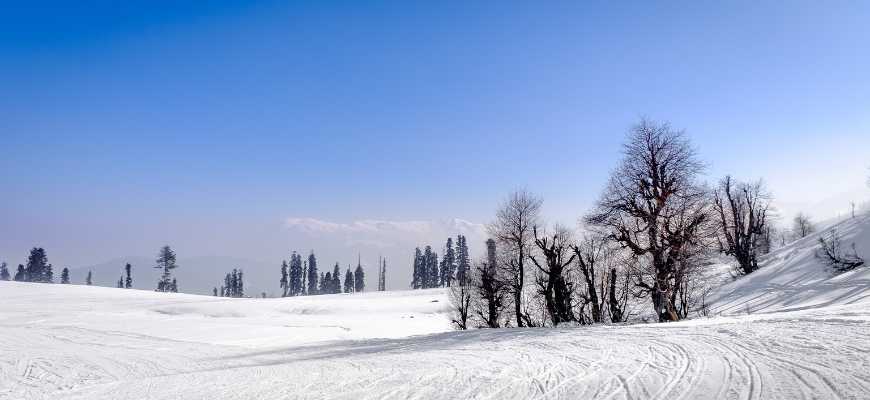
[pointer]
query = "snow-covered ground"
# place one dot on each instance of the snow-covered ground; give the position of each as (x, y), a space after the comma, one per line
(788, 331)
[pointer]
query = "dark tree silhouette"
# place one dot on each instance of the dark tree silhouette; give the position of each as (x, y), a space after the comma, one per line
(654, 206)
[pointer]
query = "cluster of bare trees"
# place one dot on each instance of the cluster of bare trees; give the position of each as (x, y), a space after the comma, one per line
(647, 239)
(531, 277)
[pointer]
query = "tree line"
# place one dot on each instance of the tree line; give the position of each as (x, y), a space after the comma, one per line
(298, 277)
(428, 272)
(648, 237)
(39, 270)
(301, 277)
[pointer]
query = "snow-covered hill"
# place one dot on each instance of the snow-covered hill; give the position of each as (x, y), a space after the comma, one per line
(806, 336)
(794, 278)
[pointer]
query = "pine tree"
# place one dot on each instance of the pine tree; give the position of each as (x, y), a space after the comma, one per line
(166, 262)
(48, 275)
(173, 286)
(296, 275)
(348, 281)
(312, 274)
(4, 272)
(233, 285)
(417, 279)
(325, 283)
(120, 284)
(21, 274)
(240, 285)
(304, 286)
(37, 266)
(336, 279)
(64, 276)
(430, 268)
(128, 283)
(463, 261)
(359, 279)
(89, 280)
(284, 282)
(382, 279)
(448, 264)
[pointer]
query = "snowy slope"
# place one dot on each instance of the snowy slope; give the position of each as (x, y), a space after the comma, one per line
(75, 342)
(793, 278)
(807, 336)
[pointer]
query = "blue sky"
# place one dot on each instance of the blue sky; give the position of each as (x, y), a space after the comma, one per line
(209, 124)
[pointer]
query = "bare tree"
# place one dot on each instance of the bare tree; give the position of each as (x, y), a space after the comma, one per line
(490, 296)
(654, 207)
(512, 229)
(556, 289)
(689, 280)
(742, 210)
(460, 302)
(802, 226)
(767, 240)
(617, 294)
(604, 278)
(591, 254)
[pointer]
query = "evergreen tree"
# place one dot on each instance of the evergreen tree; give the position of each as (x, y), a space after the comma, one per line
(173, 286)
(359, 279)
(89, 280)
(120, 284)
(166, 262)
(312, 274)
(325, 283)
(430, 268)
(37, 266)
(21, 274)
(348, 281)
(4, 272)
(297, 272)
(64, 276)
(240, 284)
(234, 283)
(48, 275)
(284, 282)
(417, 279)
(128, 283)
(382, 280)
(448, 264)
(336, 279)
(304, 286)
(463, 261)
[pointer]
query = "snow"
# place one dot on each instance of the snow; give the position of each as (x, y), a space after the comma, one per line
(806, 335)
(793, 278)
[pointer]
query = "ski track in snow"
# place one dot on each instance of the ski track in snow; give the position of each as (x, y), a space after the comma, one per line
(814, 354)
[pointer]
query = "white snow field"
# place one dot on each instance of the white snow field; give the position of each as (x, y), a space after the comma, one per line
(806, 335)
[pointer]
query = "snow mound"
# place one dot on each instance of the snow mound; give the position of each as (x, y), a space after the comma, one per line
(793, 278)
(251, 323)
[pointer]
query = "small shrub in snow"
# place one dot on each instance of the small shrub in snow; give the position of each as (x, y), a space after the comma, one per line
(831, 252)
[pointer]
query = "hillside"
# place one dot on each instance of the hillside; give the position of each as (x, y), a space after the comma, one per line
(80, 342)
(794, 278)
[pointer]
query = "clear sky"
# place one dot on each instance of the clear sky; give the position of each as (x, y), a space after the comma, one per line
(239, 128)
